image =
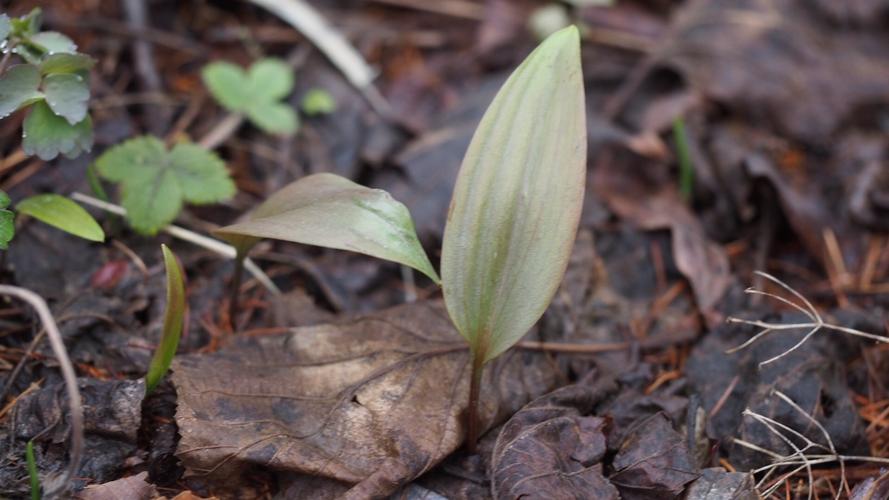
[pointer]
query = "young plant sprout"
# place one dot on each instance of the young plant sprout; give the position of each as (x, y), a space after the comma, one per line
(173, 320)
(512, 220)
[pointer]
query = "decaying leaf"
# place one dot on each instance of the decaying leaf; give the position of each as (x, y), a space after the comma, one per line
(552, 445)
(718, 484)
(332, 211)
(132, 488)
(517, 201)
(653, 461)
(372, 402)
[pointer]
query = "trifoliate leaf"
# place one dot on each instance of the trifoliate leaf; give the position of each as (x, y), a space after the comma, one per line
(18, 87)
(273, 117)
(332, 211)
(255, 93)
(226, 81)
(48, 135)
(155, 182)
(65, 63)
(318, 102)
(7, 222)
(62, 213)
(67, 96)
(270, 79)
(517, 201)
(5, 27)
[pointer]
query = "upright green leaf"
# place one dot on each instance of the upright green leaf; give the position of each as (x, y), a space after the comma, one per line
(18, 87)
(33, 475)
(173, 321)
(48, 135)
(7, 222)
(256, 92)
(62, 213)
(155, 182)
(517, 201)
(331, 211)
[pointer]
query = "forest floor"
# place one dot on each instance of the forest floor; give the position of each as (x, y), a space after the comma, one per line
(339, 385)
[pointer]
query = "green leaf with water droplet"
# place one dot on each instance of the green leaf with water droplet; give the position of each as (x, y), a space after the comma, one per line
(67, 95)
(47, 135)
(18, 88)
(517, 201)
(62, 213)
(331, 211)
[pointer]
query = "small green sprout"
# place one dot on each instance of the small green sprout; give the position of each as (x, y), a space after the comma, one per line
(683, 153)
(256, 93)
(317, 102)
(52, 209)
(512, 220)
(155, 182)
(32, 470)
(62, 213)
(53, 83)
(173, 321)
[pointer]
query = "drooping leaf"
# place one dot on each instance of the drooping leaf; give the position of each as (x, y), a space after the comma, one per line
(7, 222)
(47, 135)
(331, 211)
(67, 96)
(65, 63)
(5, 27)
(155, 182)
(62, 213)
(173, 320)
(318, 102)
(19, 87)
(256, 92)
(517, 201)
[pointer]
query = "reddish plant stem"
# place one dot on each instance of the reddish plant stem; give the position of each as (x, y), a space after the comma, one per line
(472, 419)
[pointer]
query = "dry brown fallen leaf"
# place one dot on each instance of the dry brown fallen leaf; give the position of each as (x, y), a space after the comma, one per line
(133, 488)
(373, 402)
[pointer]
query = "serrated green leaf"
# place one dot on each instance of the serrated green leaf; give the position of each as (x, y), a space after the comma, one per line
(5, 27)
(67, 96)
(174, 316)
(270, 79)
(62, 213)
(331, 211)
(7, 228)
(274, 118)
(517, 201)
(155, 182)
(255, 93)
(226, 81)
(66, 63)
(18, 87)
(48, 135)
(318, 102)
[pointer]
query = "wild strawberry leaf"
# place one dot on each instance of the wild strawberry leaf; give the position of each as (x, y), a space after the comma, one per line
(155, 182)
(67, 96)
(48, 135)
(18, 88)
(517, 201)
(62, 213)
(332, 211)
(256, 92)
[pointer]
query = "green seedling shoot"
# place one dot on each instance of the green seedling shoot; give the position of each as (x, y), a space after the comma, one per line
(512, 220)
(174, 316)
(683, 154)
(33, 476)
